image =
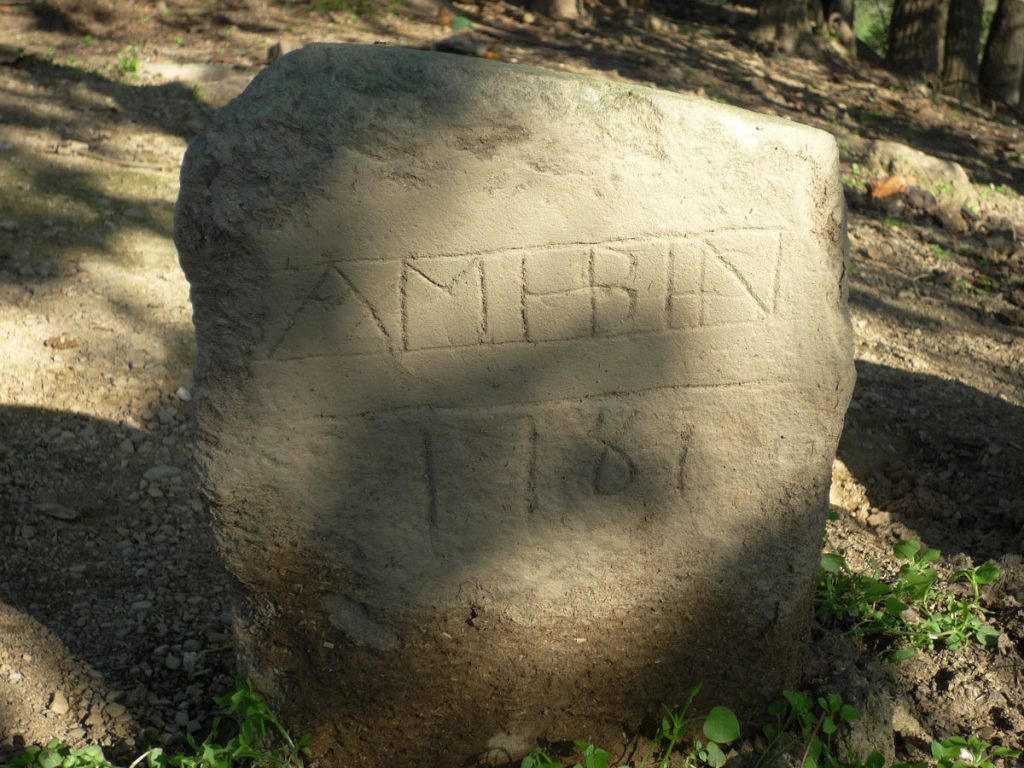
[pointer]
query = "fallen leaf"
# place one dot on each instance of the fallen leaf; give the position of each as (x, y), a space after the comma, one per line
(63, 341)
(896, 184)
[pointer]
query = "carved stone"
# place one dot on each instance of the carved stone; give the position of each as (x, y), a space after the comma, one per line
(517, 396)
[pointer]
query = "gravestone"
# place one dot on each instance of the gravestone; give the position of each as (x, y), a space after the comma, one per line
(517, 396)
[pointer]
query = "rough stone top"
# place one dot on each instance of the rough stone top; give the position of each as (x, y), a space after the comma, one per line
(408, 126)
(431, 210)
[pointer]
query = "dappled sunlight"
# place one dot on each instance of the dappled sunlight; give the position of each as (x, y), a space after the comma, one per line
(112, 587)
(79, 212)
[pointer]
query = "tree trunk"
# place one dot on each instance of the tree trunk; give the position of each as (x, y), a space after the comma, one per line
(1001, 68)
(963, 46)
(782, 22)
(917, 37)
(840, 18)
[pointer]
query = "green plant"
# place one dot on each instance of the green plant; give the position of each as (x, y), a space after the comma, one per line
(540, 759)
(89, 40)
(720, 727)
(940, 251)
(260, 740)
(961, 752)
(593, 757)
(179, 40)
(892, 222)
(909, 610)
(993, 189)
(964, 752)
(853, 180)
(986, 283)
(808, 727)
(127, 62)
(59, 755)
(803, 728)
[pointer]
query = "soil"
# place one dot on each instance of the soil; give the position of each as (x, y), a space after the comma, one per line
(114, 608)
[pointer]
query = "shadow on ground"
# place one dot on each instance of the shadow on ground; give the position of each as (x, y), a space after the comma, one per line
(943, 458)
(122, 570)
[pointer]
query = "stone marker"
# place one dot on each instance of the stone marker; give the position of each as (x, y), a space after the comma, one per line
(517, 396)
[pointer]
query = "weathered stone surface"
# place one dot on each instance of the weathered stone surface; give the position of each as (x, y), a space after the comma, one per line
(517, 395)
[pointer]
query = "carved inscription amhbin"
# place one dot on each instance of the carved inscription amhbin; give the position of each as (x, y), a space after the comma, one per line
(534, 295)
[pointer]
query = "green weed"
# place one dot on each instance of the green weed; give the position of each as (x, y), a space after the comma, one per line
(960, 752)
(127, 62)
(807, 727)
(540, 759)
(853, 180)
(911, 610)
(988, 190)
(891, 221)
(986, 284)
(720, 727)
(803, 730)
(260, 740)
(58, 755)
(593, 757)
(940, 251)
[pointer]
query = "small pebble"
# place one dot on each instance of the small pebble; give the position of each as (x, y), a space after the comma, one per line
(160, 472)
(57, 511)
(59, 704)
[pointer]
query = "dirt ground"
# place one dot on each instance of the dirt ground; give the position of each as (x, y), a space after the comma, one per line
(114, 610)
